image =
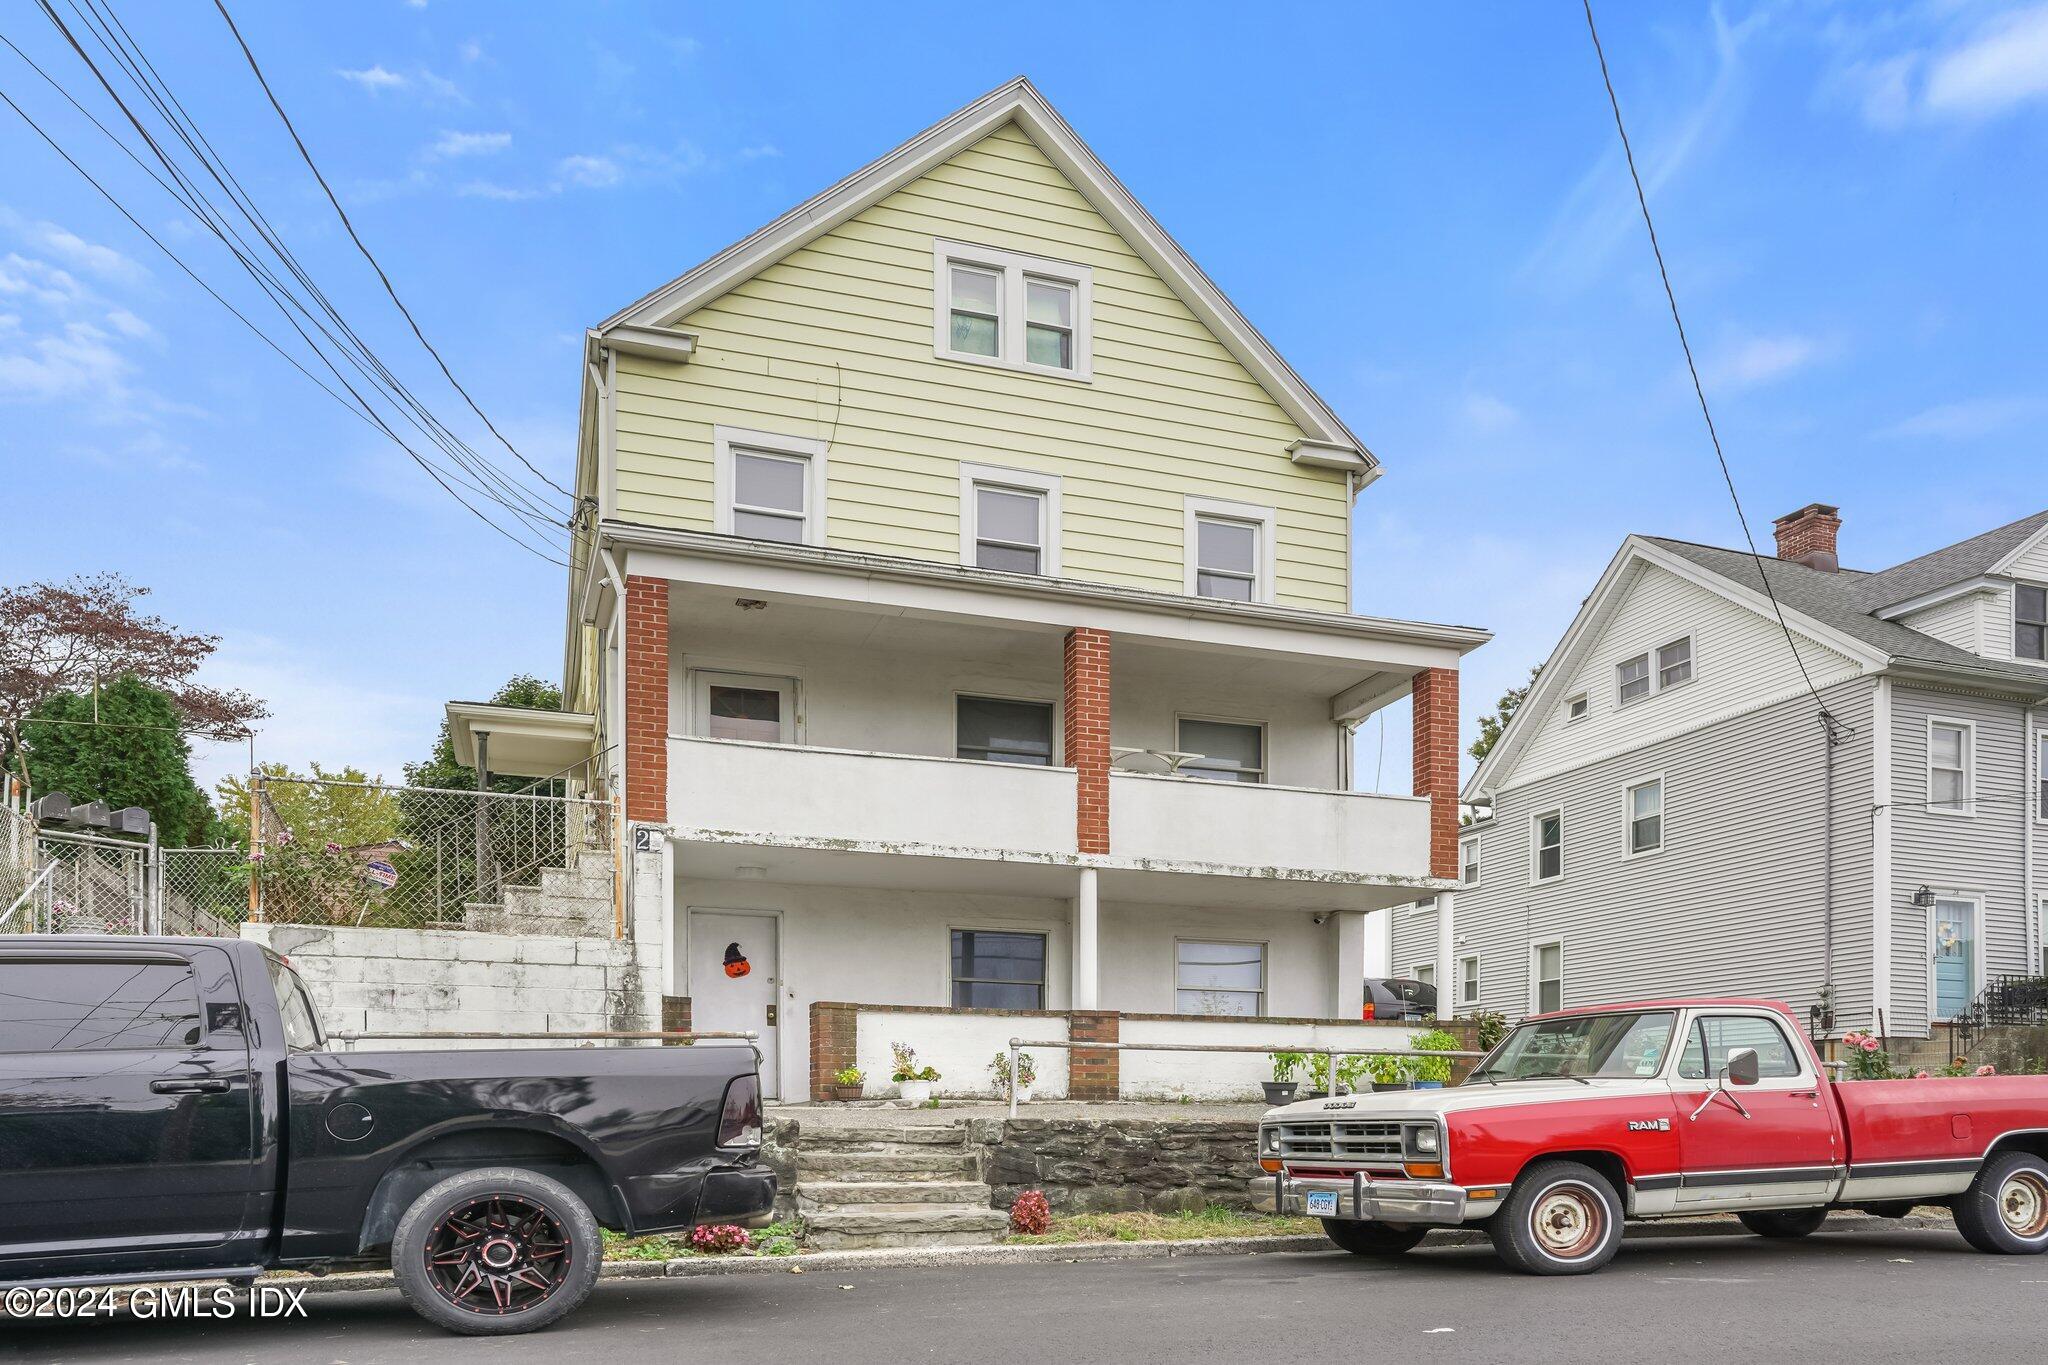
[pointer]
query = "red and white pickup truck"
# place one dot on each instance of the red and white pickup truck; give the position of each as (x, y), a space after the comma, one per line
(1581, 1120)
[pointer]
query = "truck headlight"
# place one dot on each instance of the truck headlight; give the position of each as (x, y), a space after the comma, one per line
(1269, 1139)
(1423, 1140)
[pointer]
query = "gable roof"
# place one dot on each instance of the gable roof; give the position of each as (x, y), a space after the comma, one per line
(1329, 441)
(1968, 559)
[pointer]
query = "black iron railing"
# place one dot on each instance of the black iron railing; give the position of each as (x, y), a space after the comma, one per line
(2009, 1000)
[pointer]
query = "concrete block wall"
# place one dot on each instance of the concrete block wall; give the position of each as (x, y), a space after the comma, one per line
(408, 980)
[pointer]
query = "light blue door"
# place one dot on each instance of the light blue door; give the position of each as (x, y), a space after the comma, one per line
(1955, 957)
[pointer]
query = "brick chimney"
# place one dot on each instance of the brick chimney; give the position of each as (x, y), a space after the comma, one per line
(1808, 536)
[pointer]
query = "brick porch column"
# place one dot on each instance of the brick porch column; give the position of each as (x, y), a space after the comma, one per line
(834, 1036)
(1094, 1075)
(646, 668)
(1087, 732)
(1436, 763)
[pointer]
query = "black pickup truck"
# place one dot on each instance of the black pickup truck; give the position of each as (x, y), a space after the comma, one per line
(169, 1109)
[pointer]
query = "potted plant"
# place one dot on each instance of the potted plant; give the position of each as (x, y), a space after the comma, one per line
(1432, 1072)
(846, 1084)
(913, 1082)
(1388, 1073)
(1027, 1075)
(1317, 1071)
(1280, 1090)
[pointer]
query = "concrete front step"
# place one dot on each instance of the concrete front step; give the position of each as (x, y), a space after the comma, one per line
(897, 1225)
(930, 1164)
(815, 1195)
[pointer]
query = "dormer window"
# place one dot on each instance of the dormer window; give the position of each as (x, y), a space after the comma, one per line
(2030, 621)
(996, 307)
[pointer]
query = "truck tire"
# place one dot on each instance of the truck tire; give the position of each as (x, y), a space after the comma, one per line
(2005, 1210)
(1561, 1218)
(1373, 1239)
(495, 1252)
(1784, 1225)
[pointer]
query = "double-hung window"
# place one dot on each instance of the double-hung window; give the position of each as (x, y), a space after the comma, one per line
(1227, 751)
(996, 307)
(1645, 813)
(2030, 621)
(1219, 978)
(1546, 846)
(1951, 767)
(1674, 663)
(1468, 861)
(1637, 676)
(1000, 731)
(1229, 550)
(1546, 972)
(1009, 520)
(1632, 679)
(767, 486)
(1468, 983)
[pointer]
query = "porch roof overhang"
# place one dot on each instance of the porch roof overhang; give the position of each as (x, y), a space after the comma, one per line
(723, 855)
(524, 742)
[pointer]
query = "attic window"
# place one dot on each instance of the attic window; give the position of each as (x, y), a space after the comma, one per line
(1575, 708)
(1002, 308)
(2030, 621)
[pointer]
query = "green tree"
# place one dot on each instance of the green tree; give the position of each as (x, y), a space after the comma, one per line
(440, 768)
(343, 807)
(1492, 727)
(126, 750)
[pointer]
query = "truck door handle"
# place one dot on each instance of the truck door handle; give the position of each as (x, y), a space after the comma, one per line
(1806, 1094)
(205, 1085)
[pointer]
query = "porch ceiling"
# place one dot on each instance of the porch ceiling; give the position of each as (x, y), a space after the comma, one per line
(523, 742)
(991, 873)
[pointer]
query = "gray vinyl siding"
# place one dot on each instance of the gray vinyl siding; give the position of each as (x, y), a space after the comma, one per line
(1731, 903)
(1982, 855)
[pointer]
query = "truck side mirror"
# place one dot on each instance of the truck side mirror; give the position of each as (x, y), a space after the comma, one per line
(1742, 1066)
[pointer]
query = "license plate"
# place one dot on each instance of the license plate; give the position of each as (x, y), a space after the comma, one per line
(1322, 1203)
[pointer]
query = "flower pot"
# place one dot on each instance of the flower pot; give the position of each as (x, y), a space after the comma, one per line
(1429, 1085)
(1024, 1094)
(914, 1092)
(1279, 1092)
(842, 1094)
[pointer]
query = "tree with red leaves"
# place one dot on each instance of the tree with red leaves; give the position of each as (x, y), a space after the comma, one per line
(82, 633)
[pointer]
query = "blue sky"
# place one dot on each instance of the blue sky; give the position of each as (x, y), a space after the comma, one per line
(1423, 206)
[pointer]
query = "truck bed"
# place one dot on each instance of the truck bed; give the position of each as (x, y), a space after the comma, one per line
(1944, 1117)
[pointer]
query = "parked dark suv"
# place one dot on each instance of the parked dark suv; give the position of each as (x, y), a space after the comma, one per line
(1398, 997)
(169, 1109)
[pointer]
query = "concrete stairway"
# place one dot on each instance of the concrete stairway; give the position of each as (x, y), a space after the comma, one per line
(574, 902)
(892, 1187)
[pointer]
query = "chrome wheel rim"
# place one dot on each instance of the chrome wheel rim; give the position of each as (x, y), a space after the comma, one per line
(2023, 1205)
(498, 1254)
(1569, 1221)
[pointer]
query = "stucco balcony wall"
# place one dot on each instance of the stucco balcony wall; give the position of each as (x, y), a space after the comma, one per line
(1255, 825)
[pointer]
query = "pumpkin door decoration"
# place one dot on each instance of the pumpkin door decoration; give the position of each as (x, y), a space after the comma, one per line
(736, 964)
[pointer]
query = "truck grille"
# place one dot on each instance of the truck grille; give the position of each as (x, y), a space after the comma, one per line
(1364, 1142)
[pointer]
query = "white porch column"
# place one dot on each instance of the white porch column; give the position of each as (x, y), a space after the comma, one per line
(1087, 990)
(1347, 961)
(1446, 954)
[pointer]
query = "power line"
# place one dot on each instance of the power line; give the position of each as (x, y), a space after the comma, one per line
(1834, 727)
(386, 279)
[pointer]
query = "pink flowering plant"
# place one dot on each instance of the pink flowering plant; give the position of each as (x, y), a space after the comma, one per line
(1868, 1061)
(719, 1239)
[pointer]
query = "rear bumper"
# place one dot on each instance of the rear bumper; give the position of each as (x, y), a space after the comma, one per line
(1361, 1198)
(742, 1195)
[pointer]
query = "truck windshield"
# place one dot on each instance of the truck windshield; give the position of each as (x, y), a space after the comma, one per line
(1622, 1044)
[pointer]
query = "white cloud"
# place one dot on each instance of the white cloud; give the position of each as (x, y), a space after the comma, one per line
(486, 189)
(451, 144)
(1965, 420)
(2005, 65)
(375, 78)
(1484, 412)
(75, 361)
(1761, 360)
(594, 172)
(471, 50)
(93, 258)
(757, 152)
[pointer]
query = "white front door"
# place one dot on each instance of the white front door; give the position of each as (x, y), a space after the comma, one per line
(736, 981)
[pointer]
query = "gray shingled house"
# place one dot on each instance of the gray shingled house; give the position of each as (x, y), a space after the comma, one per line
(1669, 812)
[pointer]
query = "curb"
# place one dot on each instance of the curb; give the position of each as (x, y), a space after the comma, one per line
(1054, 1253)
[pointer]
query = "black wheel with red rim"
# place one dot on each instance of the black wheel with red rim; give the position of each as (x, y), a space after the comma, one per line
(496, 1251)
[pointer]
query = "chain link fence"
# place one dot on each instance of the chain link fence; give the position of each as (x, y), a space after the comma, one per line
(365, 854)
(201, 892)
(18, 863)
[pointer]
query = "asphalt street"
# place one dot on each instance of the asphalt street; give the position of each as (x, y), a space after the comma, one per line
(1862, 1296)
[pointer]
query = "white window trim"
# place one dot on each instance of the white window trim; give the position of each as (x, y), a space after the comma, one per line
(1011, 269)
(1425, 972)
(1969, 807)
(1649, 658)
(1979, 953)
(1569, 702)
(1628, 791)
(1264, 518)
(788, 684)
(725, 440)
(1265, 973)
(1536, 982)
(984, 694)
(1046, 486)
(1461, 1002)
(2014, 642)
(1477, 843)
(1692, 661)
(1265, 746)
(1536, 849)
(2039, 775)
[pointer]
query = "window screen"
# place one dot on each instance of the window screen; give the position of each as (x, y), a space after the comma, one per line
(768, 496)
(1226, 559)
(1005, 731)
(1229, 752)
(1007, 529)
(1220, 978)
(999, 970)
(2030, 621)
(97, 1006)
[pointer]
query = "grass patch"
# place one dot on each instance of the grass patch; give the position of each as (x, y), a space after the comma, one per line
(777, 1239)
(1214, 1221)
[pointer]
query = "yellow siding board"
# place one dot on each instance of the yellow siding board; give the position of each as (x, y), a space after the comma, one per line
(835, 343)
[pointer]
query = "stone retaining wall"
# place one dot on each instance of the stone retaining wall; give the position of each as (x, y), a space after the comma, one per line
(1119, 1165)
